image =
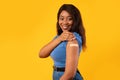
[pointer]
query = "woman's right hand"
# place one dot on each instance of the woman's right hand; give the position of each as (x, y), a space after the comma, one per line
(66, 36)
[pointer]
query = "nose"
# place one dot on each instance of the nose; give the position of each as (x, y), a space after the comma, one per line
(65, 22)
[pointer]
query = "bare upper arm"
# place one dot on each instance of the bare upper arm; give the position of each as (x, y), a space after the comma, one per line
(72, 51)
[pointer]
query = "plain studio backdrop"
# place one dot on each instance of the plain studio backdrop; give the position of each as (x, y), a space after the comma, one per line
(27, 25)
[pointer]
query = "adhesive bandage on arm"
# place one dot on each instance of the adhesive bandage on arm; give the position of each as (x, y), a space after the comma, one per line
(73, 45)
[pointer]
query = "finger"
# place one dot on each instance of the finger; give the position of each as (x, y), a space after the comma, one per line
(71, 36)
(70, 33)
(71, 39)
(74, 38)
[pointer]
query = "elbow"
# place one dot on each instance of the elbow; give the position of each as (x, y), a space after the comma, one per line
(42, 55)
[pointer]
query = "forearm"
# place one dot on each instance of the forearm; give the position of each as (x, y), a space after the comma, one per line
(46, 50)
(71, 60)
(67, 77)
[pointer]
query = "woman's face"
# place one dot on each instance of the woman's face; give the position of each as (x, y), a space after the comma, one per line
(65, 21)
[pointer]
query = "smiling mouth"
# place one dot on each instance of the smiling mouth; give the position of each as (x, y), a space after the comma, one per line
(65, 27)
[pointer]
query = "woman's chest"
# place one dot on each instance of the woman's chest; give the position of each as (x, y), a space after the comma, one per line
(59, 52)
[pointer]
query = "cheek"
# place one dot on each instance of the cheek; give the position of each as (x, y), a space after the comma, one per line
(71, 22)
(59, 22)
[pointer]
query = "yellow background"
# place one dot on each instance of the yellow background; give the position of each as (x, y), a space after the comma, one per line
(27, 25)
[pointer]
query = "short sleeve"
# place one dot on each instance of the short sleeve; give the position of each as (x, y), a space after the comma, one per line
(79, 39)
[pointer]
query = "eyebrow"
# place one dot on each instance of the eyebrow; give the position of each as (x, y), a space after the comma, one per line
(63, 16)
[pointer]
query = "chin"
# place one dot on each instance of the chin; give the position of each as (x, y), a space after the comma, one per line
(65, 30)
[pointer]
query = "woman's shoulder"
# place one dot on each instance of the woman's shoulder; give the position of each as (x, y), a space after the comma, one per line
(78, 37)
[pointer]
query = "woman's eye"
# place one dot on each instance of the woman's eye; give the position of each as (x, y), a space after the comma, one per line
(61, 18)
(70, 19)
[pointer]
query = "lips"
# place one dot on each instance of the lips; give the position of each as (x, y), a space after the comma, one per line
(65, 27)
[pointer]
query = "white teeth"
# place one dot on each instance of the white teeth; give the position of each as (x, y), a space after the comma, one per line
(65, 27)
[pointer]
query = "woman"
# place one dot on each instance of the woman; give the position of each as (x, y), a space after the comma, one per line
(65, 48)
